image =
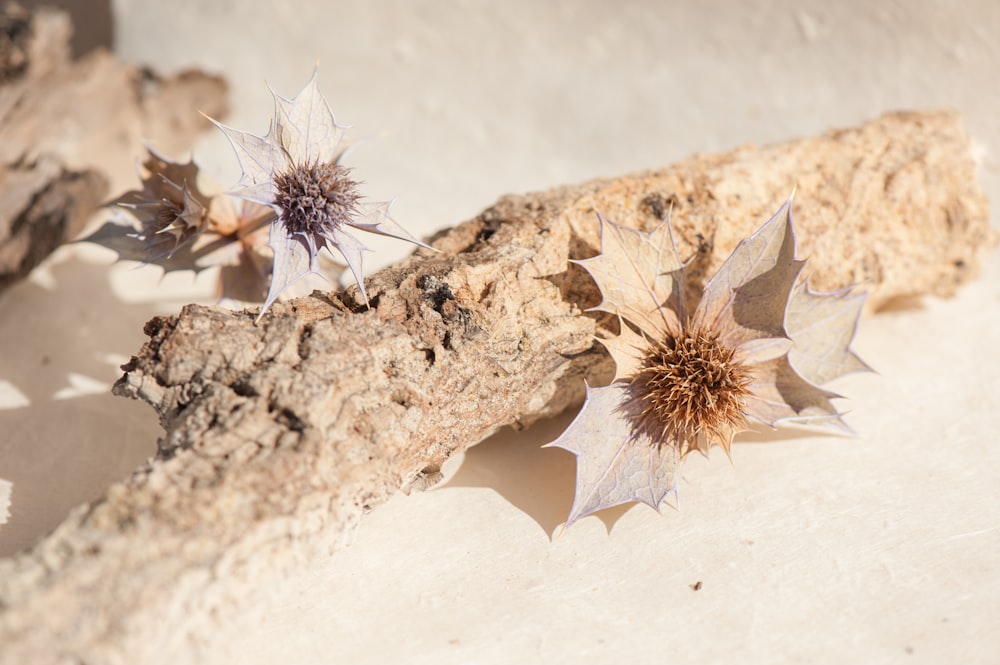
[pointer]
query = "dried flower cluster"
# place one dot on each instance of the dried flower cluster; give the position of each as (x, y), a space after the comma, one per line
(756, 347)
(293, 185)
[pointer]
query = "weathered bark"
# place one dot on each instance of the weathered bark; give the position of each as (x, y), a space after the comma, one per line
(278, 437)
(71, 130)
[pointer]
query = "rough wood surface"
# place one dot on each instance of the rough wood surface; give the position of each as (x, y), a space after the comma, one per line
(70, 131)
(278, 437)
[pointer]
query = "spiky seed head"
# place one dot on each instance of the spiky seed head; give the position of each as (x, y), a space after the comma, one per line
(691, 391)
(316, 198)
(179, 219)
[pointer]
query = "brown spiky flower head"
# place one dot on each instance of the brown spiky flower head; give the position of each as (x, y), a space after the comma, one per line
(756, 347)
(295, 168)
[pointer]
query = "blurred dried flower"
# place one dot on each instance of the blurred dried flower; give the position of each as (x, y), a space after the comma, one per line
(754, 348)
(170, 208)
(174, 224)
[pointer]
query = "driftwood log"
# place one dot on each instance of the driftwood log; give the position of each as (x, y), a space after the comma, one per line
(71, 131)
(279, 436)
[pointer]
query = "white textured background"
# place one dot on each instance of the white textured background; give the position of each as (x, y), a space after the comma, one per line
(809, 549)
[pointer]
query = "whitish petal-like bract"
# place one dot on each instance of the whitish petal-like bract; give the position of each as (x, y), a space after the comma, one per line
(639, 275)
(295, 168)
(619, 462)
(756, 346)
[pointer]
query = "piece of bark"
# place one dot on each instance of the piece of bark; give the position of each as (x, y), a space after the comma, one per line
(71, 131)
(93, 22)
(278, 437)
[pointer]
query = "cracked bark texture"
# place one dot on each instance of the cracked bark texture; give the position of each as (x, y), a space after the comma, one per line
(70, 131)
(279, 437)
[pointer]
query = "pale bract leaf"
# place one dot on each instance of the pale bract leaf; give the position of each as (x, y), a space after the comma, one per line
(822, 326)
(353, 252)
(305, 126)
(778, 393)
(375, 219)
(761, 350)
(615, 463)
(260, 158)
(638, 274)
(626, 349)
(293, 260)
(746, 299)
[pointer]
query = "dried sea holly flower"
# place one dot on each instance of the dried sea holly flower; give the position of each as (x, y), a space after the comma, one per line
(295, 198)
(170, 208)
(756, 347)
(295, 169)
(176, 225)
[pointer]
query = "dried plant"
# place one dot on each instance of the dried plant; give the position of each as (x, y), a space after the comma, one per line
(295, 169)
(293, 186)
(175, 224)
(756, 347)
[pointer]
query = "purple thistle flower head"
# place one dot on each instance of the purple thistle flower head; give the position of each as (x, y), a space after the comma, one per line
(295, 168)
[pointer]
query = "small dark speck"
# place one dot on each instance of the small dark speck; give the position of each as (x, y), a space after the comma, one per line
(696, 586)
(454, 641)
(437, 290)
(655, 205)
(959, 264)
(704, 244)
(491, 225)
(289, 419)
(908, 650)
(690, 200)
(46, 360)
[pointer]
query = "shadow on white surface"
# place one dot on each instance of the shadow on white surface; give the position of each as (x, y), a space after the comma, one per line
(538, 481)
(63, 437)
